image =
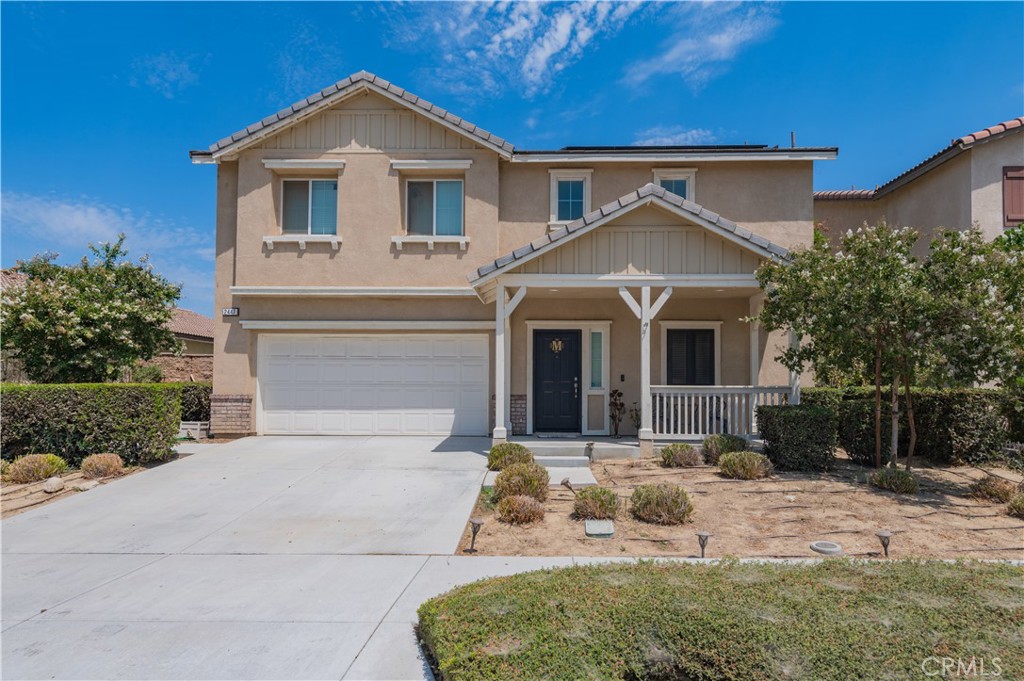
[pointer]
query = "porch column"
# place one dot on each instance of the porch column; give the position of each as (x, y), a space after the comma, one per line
(500, 374)
(755, 340)
(646, 403)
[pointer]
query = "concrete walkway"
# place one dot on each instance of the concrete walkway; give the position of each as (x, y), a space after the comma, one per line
(291, 558)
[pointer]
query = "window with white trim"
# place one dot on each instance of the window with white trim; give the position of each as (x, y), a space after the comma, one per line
(691, 352)
(309, 206)
(679, 181)
(570, 195)
(434, 208)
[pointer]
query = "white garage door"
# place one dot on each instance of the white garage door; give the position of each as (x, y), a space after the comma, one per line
(415, 384)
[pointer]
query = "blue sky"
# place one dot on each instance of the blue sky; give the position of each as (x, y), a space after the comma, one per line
(102, 101)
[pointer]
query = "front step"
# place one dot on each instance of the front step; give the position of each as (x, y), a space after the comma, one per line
(594, 451)
(566, 461)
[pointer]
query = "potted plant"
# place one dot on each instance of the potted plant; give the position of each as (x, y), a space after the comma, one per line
(616, 408)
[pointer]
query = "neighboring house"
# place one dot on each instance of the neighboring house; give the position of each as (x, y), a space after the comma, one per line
(393, 269)
(977, 179)
(194, 330)
(195, 363)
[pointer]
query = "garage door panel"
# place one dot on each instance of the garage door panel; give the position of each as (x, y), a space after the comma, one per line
(422, 384)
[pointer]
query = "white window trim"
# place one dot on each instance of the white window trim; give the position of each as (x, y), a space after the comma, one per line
(568, 174)
(584, 327)
(431, 164)
(707, 325)
(303, 164)
(293, 236)
(688, 174)
(302, 239)
(430, 239)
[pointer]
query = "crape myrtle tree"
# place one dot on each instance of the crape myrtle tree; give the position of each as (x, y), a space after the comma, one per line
(876, 313)
(90, 321)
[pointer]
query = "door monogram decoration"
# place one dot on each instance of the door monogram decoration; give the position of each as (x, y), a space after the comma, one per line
(557, 345)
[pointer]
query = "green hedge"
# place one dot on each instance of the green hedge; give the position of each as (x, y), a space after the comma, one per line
(798, 438)
(195, 401)
(138, 421)
(954, 426)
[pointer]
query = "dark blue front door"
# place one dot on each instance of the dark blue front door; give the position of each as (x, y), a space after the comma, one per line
(556, 381)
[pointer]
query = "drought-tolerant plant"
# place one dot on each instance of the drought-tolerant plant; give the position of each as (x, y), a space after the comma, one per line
(36, 467)
(993, 488)
(505, 454)
(716, 445)
(895, 480)
(1016, 505)
(679, 454)
(745, 465)
(520, 509)
(4, 465)
(662, 504)
(529, 479)
(102, 465)
(595, 503)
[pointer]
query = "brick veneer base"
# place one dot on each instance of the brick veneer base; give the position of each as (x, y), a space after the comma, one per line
(517, 406)
(231, 415)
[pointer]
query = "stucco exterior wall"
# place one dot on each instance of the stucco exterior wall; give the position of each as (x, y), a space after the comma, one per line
(987, 162)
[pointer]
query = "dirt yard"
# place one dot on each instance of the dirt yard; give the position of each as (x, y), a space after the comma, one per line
(776, 517)
(16, 498)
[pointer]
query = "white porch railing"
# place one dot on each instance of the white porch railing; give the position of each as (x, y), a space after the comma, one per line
(689, 411)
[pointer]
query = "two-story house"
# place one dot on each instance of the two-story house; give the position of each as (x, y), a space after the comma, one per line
(391, 268)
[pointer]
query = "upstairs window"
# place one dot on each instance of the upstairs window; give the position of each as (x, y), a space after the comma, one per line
(1013, 196)
(434, 207)
(310, 206)
(570, 195)
(679, 181)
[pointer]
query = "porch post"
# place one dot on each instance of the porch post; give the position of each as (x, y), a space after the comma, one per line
(755, 340)
(646, 403)
(500, 355)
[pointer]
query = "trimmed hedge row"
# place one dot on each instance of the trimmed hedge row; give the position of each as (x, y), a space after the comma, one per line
(955, 426)
(798, 438)
(195, 401)
(137, 421)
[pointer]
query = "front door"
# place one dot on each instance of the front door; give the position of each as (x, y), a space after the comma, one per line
(557, 372)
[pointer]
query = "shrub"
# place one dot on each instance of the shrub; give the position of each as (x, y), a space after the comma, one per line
(993, 488)
(1016, 505)
(147, 373)
(798, 438)
(527, 479)
(745, 465)
(894, 479)
(195, 401)
(662, 504)
(595, 503)
(520, 509)
(102, 465)
(505, 454)
(138, 422)
(36, 467)
(4, 465)
(678, 454)
(716, 445)
(1013, 409)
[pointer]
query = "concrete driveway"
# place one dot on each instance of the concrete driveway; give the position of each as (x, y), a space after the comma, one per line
(263, 558)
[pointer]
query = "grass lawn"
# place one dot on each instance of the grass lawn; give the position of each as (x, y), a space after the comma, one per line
(835, 619)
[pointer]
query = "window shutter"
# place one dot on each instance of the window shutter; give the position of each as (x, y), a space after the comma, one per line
(691, 357)
(1013, 196)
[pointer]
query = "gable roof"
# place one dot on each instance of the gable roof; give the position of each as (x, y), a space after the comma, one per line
(331, 95)
(649, 194)
(191, 324)
(955, 148)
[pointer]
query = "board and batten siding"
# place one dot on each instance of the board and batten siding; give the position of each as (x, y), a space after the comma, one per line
(369, 130)
(645, 250)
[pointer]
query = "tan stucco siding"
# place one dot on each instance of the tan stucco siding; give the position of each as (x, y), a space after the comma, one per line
(196, 347)
(646, 241)
(987, 162)
(772, 199)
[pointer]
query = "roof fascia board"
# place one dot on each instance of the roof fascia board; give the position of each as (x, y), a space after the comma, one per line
(354, 291)
(521, 157)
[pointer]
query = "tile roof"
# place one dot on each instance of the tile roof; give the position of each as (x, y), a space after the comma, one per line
(623, 205)
(955, 147)
(189, 323)
(10, 278)
(353, 83)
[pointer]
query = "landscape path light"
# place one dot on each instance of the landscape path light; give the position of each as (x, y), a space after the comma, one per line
(702, 539)
(474, 524)
(884, 536)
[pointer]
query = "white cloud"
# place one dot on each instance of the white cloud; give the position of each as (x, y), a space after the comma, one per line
(183, 254)
(305, 65)
(486, 47)
(673, 135)
(708, 38)
(166, 73)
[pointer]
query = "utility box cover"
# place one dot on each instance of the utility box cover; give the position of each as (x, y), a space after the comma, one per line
(600, 529)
